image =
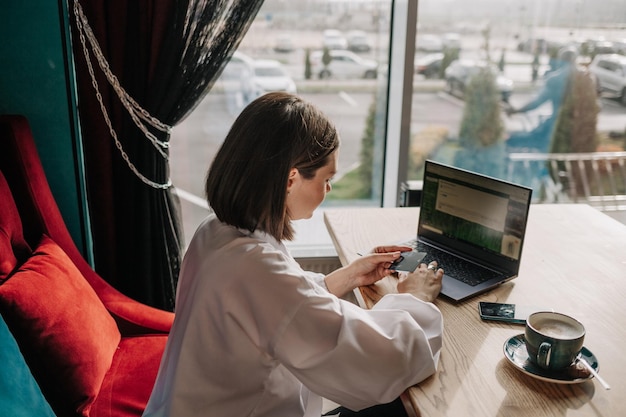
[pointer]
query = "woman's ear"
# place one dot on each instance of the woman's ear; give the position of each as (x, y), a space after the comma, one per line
(293, 176)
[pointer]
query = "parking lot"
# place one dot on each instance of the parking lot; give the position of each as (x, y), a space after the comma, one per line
(346, 102)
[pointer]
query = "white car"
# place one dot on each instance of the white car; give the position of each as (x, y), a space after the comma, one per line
(334, 39)
(343, 64)
(609, 72)
(460, 72)
(358, 41)
(451, 41)
(270, 75)
(428, 43)
(284, 44)
(237, 76)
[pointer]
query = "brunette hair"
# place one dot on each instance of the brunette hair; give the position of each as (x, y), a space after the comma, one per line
(246, 185)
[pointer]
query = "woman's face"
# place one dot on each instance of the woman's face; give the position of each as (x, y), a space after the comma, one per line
(304, 196)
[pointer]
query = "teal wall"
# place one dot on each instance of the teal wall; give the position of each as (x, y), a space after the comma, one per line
(37, 81)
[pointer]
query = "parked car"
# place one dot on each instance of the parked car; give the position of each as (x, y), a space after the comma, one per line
(270, 75)
(334, 39)
(598, 46)
(240, 64)
(533, 46)
(604, 48)
(358, 41)
(429, 65)
(620, 46)
(609, 72)
(283, 44)
(428, 43)
(343, 64)
(460, 72)
(541, 46)
(451, 41)
(237, 75)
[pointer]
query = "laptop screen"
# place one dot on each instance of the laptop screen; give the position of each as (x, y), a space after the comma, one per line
(475, 215)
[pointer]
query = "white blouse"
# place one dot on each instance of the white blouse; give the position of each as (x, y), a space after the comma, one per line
(255, 335)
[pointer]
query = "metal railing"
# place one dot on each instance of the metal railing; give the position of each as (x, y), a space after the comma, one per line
(597, 179)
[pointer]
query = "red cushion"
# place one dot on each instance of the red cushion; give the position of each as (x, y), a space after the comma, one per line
(13, 248)
(64, 331)
(128, 384)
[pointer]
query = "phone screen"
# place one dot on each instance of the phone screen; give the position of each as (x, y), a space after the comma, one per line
(503, 312)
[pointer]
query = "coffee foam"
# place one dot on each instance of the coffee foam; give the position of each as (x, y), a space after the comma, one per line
(557, 329)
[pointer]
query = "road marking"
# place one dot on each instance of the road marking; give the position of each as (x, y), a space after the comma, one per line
(451, 99)
(346, 97)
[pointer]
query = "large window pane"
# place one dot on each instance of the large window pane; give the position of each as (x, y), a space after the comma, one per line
(510, 45)
(492, 92)
(284, 50)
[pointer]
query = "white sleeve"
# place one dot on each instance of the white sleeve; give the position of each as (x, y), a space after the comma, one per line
(317, 278)
(426, 314)
(359, 357)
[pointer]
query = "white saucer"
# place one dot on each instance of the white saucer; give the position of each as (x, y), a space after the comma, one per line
(515, 352)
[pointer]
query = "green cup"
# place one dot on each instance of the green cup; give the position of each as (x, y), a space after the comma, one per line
(553, 340)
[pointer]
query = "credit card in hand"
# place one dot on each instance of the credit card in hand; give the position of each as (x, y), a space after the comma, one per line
(408, 261)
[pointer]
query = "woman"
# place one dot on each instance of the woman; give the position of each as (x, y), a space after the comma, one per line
(254, 334)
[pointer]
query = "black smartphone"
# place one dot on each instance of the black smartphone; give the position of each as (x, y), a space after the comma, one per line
(510, 313)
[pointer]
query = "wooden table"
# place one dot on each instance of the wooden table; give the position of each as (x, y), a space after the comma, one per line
(573, 261)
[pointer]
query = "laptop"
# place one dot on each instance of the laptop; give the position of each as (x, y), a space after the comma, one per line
(473, 226)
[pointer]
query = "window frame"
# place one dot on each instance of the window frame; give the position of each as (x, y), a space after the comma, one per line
(403, 30)
(396, 143)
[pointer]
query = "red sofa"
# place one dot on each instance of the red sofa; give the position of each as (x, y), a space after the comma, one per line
(92, 350)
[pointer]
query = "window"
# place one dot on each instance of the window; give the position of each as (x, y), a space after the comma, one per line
(509, 50)
(351, 90)
(535, 109)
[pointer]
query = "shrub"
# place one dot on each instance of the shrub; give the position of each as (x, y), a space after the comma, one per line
(307, 65)
(482, 123)
(449, 55)
(575, 129)
(481, 134)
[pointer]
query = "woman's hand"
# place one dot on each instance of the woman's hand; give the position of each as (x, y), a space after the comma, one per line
(370, 268)
(365, 270)
(424, 283)
(392, 248)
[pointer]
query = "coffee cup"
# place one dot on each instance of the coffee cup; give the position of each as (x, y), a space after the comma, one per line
(553, 340)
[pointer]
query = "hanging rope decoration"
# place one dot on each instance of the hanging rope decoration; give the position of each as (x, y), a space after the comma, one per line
(138, 114)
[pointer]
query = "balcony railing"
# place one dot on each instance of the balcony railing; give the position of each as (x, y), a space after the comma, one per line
(597, 179)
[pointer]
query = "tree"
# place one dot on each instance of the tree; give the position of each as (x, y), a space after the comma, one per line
(367, 152)
(502, 61)
(575, 129)
(307, 65)
(535, 67)
(486, 33)
(360, 183)
(449, 55)
(326, 60)
(482, 128)
(482, 123)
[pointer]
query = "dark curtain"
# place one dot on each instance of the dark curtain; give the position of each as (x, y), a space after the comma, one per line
(166, 54)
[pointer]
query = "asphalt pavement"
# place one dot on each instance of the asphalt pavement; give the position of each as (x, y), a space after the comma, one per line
(195, 141)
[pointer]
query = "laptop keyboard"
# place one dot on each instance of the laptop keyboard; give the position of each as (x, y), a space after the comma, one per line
(455, 267)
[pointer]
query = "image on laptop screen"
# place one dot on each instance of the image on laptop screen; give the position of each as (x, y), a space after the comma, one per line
(466, 210)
